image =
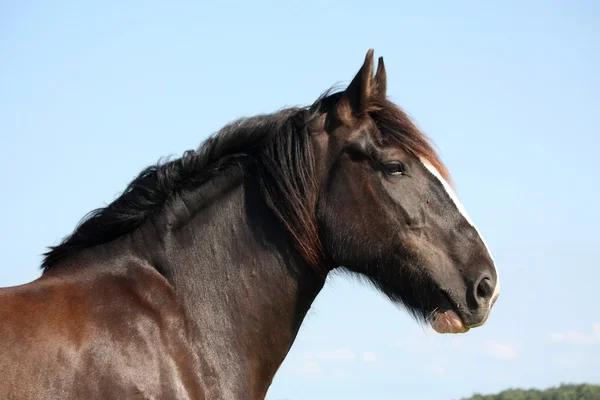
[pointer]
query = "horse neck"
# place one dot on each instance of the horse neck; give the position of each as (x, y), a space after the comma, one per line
(244, 286)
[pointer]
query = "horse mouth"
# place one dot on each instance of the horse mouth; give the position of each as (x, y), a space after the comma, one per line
(446, 320)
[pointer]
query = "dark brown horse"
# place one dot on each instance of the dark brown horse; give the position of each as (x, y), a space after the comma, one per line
(194, 282)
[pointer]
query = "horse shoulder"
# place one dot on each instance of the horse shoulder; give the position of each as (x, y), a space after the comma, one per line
(124, 328)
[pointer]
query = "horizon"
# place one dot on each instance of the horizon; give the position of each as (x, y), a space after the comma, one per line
(508, 93)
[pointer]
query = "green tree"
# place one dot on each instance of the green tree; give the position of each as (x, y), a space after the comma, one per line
(562, 392)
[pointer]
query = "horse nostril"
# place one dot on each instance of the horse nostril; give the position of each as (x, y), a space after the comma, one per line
(484, 290)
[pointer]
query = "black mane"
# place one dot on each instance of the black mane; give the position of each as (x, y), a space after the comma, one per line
(279, 149)
(277, 144)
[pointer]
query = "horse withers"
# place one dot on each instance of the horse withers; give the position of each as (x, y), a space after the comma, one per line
(194, 282)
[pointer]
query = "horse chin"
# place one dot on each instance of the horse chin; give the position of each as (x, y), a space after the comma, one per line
(448, 322)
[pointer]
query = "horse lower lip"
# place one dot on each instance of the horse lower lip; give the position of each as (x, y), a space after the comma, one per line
(448, 322)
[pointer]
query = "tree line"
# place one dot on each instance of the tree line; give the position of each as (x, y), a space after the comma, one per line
(562, 392)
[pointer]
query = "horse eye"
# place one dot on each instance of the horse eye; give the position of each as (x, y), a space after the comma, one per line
(395, 168)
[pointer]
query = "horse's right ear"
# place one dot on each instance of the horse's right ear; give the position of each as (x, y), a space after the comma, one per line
(355, 100)
(380, 86)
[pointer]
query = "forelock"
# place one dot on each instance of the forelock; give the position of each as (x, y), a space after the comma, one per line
(395, 125)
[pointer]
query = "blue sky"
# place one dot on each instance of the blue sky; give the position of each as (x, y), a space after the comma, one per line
(92, 93)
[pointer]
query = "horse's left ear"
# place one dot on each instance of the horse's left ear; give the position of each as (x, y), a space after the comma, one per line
(355, 101)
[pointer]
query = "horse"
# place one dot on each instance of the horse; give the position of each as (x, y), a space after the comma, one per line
(194, 282)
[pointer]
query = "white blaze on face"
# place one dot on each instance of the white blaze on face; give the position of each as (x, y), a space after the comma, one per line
(434, 171)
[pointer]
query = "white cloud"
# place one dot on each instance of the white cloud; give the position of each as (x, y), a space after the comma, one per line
(335, 354)
(436, 369)
(429, 342)
(503, 351)
(310, 368)
(557, 337)
(575, 336)
(368, 357)
(418, 343)
(570, 360)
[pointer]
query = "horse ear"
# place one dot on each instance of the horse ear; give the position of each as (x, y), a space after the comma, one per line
(355, 100)
(380, 86)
